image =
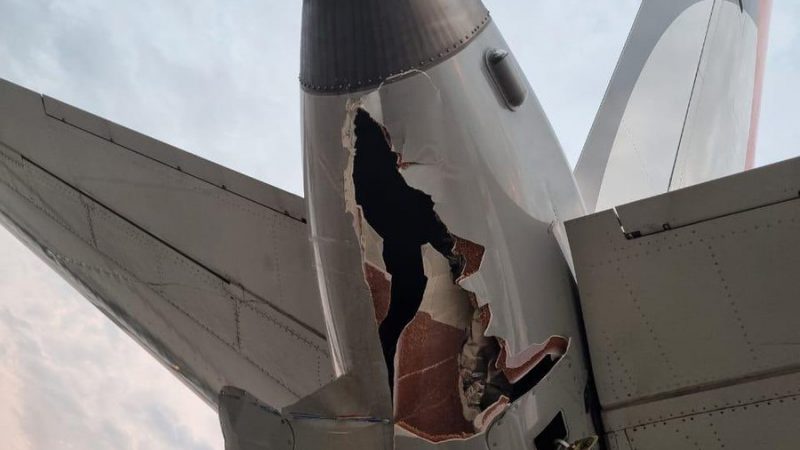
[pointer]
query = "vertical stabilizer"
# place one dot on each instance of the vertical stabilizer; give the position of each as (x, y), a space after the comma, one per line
(682, 106)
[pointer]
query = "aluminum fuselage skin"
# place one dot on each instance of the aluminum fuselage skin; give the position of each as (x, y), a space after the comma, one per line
(498, 178)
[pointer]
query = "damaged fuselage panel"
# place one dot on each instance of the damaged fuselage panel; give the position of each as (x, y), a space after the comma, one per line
(435, 214)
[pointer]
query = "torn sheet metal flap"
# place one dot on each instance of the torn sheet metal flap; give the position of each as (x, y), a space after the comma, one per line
(476, 181)
(527, 417)
(346, 297)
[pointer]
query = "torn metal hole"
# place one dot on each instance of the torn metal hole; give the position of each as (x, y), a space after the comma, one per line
(404, 218)
(449, 380)
(521, 364)
(553, 434)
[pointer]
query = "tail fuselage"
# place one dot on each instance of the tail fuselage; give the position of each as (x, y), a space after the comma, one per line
(437, 192)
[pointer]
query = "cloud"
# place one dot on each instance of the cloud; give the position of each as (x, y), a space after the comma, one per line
(70, 379)
(778, 133)
(568, 50)
(218, 79)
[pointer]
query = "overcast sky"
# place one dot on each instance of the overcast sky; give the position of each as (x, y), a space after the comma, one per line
(219, 79)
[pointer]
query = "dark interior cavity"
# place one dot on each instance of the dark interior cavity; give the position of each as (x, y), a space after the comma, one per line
(533, 377)
(555, 430)
(404, 218)
(465, 360)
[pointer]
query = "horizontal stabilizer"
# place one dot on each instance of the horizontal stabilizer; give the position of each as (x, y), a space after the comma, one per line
(690, 305)
(208, 269)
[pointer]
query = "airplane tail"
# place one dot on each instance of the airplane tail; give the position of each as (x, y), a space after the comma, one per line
(683, 103)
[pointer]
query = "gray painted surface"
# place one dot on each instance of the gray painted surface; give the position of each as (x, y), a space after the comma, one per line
(249, 424)
(692, 330)
(219, 287)
(350, 315)
(497, 178)
(246, 187)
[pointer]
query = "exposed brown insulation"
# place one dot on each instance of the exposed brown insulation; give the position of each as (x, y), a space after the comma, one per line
(472, 254)
(380, 287)
(450, 382)
(427, 390)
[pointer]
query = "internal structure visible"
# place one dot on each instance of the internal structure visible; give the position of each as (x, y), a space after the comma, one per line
(448, 379)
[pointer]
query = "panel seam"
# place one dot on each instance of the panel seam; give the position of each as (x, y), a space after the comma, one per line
(691, 95)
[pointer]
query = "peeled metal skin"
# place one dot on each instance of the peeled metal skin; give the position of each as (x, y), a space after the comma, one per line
(497, 178)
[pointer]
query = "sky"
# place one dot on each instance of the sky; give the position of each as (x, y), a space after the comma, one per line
(219, 79)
